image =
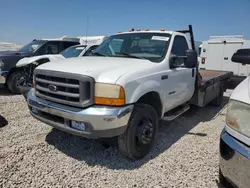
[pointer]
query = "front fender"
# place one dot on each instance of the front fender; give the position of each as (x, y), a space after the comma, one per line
(144, 88)
(23, 62)
(29, 60)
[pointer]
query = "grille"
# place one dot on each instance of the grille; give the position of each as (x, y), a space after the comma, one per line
(69, 89)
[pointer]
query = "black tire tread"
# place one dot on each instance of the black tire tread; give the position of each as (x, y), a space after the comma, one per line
(123, 140)
(11, 80)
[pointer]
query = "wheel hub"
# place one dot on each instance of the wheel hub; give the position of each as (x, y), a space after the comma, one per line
(20, 81)
(144, 132)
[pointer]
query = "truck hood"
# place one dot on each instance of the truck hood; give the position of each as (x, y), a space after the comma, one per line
(28, 60)
(242, 91)
(102, 69)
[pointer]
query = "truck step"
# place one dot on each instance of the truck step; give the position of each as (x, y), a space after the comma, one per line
(172, 114)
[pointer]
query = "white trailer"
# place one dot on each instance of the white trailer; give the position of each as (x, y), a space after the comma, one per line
(216, 54)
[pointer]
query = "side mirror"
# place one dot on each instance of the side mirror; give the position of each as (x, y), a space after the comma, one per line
(172, 61)
(191, 59)
(241, 56)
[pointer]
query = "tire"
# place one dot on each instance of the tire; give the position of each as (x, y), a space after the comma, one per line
(12, 81)
(139, 137)
(25, 96)
(219, 99)
(223, 181)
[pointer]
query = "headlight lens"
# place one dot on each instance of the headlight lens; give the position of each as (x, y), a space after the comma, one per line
(1, 64)
(109, 94)
(238, 117)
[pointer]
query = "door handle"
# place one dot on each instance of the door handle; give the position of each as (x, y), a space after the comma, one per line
(225, 58)
(164, 77)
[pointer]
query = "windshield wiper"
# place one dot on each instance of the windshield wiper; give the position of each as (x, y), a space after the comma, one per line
(133, 56)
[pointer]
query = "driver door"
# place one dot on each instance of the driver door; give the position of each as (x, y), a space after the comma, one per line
(181, 79)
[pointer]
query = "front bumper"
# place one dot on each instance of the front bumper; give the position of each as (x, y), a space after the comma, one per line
(234, 160)
(3, 75)
(99, 121)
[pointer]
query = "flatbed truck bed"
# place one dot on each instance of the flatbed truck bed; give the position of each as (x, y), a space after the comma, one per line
(210, 87)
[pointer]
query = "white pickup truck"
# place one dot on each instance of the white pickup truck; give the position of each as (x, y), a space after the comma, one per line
(28, 64)
(130, 81)
(235, 137)
(87, 44)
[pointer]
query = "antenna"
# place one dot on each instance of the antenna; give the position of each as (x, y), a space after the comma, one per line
(87, 24)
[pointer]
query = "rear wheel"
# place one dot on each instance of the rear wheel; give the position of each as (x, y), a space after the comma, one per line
(139, 137)
(219, 99)
(15, 81)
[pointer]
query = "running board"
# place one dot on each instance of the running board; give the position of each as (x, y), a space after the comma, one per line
(172, 114)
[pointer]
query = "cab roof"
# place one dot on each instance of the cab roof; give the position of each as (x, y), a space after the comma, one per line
(151, 31)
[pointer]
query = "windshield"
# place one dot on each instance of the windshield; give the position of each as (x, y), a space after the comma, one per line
(32, 46)
(151, 46)
(73, 51)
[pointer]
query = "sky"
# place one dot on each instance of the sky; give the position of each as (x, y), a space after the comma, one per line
(23, 21)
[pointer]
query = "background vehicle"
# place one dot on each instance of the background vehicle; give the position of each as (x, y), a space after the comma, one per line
(235, 137)
(216, 54)
(11, 76)
(28, 64)
(137, 78)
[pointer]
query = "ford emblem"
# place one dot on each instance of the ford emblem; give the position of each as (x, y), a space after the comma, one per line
(52, 88)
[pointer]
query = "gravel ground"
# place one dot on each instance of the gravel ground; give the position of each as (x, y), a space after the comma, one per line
(33, 154)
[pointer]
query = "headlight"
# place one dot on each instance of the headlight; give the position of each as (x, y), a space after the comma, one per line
(109, 94)
(1, 64)
(238, 118)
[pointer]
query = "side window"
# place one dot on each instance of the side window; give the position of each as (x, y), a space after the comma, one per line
(50, 48)
(68, 44)
(116, 45)
(179, 46)
(111, 47)
(89, 50)
(179, 49)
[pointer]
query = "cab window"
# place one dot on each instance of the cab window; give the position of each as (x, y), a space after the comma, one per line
(180, 46)
(90, 50)
(50, 48)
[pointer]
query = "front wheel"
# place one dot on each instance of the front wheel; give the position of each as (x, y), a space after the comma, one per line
(139, 137)
(15, 81)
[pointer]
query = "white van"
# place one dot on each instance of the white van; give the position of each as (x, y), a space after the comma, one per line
(216, 54)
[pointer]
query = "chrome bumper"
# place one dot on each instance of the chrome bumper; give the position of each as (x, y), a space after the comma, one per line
(234, 160)
(3, 75)
(99, 121)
